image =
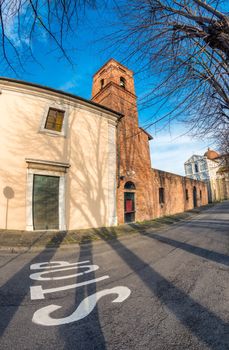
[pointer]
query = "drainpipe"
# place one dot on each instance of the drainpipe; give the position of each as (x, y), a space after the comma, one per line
(118, 151)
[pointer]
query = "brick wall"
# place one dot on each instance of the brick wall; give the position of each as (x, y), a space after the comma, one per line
(175, 187)
(133, 155)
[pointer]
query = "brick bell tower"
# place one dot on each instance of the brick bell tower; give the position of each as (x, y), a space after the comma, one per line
(113, 87)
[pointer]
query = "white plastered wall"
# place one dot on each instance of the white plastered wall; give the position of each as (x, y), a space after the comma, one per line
(88, 144)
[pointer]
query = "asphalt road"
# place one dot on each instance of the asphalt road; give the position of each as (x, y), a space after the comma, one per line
(160, 290)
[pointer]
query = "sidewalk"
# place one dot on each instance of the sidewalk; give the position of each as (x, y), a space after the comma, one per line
(13, 240)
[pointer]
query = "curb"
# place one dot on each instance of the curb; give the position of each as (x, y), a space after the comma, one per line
(126, 234)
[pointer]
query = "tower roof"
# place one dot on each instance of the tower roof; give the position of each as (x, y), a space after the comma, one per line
(110, 61)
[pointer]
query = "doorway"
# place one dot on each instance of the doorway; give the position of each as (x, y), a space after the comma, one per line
(45, 202)
(129, 207)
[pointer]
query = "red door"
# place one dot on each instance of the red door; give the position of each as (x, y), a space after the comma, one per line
(129, 207)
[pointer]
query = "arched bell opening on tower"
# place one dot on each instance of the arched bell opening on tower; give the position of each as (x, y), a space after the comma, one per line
(101, 84)
(122, 82)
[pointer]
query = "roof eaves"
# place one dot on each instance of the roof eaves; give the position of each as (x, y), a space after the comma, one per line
(67, 94)
(150, 137)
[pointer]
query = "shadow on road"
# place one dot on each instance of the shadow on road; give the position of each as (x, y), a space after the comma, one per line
(204, 324)
(86, 333)
(17, 287)
(205, 253)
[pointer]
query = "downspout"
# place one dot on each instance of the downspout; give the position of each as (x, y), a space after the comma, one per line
(118, 151)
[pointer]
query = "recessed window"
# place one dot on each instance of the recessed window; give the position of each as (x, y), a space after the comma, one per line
(196, 168)
(186, 194)
(102, 83)
(122, 82)
(200, 194)
(54, 120)
(161, 195)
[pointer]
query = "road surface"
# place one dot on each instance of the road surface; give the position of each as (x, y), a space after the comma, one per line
(158, 290)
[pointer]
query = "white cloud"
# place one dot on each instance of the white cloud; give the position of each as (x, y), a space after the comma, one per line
(12, 12)
(68, 85)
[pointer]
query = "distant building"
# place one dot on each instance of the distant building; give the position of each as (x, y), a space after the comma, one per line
(213, 169)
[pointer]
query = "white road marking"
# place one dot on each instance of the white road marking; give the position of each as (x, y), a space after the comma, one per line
(42, 316)
(36, 292)
(38, 275)
(39, 266)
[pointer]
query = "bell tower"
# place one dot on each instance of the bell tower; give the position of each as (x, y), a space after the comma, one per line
(113, 87)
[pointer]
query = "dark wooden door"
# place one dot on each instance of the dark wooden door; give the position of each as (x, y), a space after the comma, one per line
(129, 207)
(45, 202)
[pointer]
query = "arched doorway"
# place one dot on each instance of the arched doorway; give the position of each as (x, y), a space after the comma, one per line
(129, 202)
(194, 197)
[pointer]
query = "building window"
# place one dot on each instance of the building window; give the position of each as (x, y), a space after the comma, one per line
(101, 84)
(54, 120)
(122, 82)
(186, 194)
(196, 168)
(200, 194)
(188, 169)
(161, 195)
(129, 185)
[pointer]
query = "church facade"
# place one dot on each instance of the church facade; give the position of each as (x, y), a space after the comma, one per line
(213, 169)
(70, 163)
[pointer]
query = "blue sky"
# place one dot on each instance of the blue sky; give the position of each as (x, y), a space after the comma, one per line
(90, 47)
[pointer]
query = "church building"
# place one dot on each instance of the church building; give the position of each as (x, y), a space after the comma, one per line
(70, 163)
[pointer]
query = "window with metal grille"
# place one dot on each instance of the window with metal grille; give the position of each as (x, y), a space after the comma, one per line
(54, 119)
(161, 195)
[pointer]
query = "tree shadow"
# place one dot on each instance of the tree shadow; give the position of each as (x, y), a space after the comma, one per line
(86, 333)
(220, 228)
(204, 324)
(205, 253)
(17, 287)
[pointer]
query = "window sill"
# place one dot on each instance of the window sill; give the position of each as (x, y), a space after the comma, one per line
(52, 132)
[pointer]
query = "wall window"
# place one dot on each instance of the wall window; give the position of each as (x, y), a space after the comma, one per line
(161, 195)
(186, 194)
(101, 83)
(188, 169)
(196, 168)
(200, 194)
(54, 120)
(122, 82)
(129, 185)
